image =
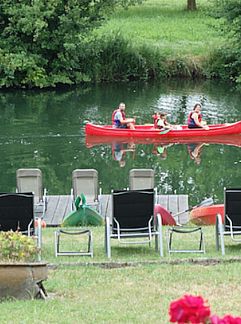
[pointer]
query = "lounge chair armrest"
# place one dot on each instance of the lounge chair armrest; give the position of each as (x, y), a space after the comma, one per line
(72, 199)
(45, 193)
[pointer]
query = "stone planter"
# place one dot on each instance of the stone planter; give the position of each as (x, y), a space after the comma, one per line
(22, 280)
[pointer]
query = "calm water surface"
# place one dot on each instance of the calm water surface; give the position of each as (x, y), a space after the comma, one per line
(45, 130)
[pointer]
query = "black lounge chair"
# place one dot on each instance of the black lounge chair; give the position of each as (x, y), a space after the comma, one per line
(232, 218)
(17, 214)
(133, 219)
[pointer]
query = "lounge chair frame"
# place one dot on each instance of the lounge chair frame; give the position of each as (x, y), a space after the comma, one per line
(133, 233)
(75, 231)
(184, 230)
(140, 179)
(30, 179)
(86, 181)
(232, 218)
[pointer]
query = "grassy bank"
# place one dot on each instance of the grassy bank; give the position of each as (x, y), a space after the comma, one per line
(136, 288)
(154, 40)
(167, 26)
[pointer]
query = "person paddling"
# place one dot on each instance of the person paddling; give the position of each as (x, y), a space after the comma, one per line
(195, 118)
(119, 119)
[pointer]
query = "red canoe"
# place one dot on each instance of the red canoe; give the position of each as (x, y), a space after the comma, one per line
(148, 131)
(206, 215)
(166, 216)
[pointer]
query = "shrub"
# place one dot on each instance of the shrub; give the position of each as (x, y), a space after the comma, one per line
(224, 63)
(14, 246)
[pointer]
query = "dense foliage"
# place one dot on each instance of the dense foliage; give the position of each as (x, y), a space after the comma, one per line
(42, 41)
(226, 61)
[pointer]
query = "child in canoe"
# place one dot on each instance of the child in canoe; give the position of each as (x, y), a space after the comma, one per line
(160, 121)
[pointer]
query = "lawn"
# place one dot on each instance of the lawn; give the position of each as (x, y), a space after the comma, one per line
(136, 286)
(168, 26)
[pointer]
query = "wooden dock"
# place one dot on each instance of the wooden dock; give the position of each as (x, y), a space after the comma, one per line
(60, 206)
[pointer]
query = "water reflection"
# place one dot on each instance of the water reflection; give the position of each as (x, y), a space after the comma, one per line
(119, 151)
(194, 151)
(160, 150)
(233, 140)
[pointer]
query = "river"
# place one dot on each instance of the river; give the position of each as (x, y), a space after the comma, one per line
(45, 129)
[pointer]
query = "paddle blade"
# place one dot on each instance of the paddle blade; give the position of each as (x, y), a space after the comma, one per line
(206, 202)
(164, 131)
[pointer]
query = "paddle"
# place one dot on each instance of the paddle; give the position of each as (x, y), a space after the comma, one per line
(165, 131)
(205, 202)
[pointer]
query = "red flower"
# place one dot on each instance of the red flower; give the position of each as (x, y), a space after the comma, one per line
(189, 309)
(227, 319)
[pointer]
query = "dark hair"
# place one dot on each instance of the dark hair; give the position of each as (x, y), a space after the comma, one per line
(162, 113)
(197, 104)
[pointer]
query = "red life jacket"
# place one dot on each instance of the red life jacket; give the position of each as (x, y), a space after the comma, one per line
(113, 116)
(190, 120)
(155, 120)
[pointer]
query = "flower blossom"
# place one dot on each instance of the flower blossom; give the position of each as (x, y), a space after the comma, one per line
(189, 309)
(227, 319)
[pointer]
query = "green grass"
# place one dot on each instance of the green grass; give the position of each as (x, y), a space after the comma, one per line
(136, 286)
(167, 26)
(137, 253)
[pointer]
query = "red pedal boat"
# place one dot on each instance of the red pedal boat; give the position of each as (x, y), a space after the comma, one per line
(206, 215)
(148, 131)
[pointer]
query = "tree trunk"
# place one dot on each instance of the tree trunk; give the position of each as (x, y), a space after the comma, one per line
(191, 5)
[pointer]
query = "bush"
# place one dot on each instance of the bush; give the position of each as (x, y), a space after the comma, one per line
(14, 246)
(114, 58)
(224, 63)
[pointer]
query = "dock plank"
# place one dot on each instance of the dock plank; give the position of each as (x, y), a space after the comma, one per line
(173, 204)
(62, 209)
(183, 205)
(163, 200)
(51, 207)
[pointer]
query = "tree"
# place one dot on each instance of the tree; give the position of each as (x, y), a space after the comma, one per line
(191, 5)
(41, 40)
(227, 59)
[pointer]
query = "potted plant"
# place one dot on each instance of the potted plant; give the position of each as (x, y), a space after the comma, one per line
(21, 275)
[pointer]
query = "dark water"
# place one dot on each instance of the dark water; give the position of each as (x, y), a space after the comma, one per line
(45, 130)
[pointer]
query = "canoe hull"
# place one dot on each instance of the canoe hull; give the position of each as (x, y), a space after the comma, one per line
(148, 131)
(206, 215)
